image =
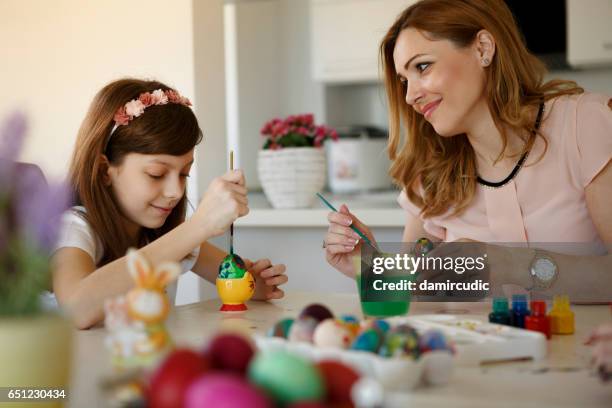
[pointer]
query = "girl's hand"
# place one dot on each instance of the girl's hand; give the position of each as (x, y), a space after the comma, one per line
(267, 279)
(342, 244)
(224, 201)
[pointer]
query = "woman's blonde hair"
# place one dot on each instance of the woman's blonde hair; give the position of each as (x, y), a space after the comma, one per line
(439, 173)
(162, 129)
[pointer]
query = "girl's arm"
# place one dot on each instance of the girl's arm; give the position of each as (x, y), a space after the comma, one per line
(207, 265)
(82, 289)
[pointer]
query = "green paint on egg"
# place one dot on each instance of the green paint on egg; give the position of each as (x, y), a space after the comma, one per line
(232, 267)
(286, 377)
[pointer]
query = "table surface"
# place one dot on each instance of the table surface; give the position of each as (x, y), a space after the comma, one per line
(562, 379)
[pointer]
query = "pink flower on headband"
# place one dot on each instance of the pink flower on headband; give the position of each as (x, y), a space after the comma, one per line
(146, 99)
(159, 97)
(173, 96)
(121, 118)
(136, 107)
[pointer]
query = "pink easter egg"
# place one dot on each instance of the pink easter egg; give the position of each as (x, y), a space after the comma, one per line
(222, 390)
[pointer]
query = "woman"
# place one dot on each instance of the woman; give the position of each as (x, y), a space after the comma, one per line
(491, 152)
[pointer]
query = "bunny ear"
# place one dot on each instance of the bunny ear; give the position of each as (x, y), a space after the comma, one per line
(166, 273)
(138, 266)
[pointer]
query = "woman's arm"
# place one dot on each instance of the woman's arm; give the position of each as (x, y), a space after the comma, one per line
(82, 289)
(585, 279)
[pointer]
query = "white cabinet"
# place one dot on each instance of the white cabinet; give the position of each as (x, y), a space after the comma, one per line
(589, 32)
(346, 34)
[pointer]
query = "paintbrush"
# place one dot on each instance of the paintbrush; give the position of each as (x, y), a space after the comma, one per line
(354, 228)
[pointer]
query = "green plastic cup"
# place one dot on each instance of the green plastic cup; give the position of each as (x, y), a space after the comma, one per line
(379, 309)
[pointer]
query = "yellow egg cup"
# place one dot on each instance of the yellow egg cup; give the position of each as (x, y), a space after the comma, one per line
(235, 292)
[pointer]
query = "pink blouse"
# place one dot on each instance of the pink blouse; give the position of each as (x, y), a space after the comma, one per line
(545, 202)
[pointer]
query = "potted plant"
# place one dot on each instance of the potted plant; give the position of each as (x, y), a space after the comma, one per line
(292, 164)
(35, 345)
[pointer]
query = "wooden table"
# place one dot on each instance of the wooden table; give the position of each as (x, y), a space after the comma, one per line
(563, 379)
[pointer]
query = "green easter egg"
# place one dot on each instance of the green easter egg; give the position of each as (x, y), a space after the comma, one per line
(232, 267)
(286, 377)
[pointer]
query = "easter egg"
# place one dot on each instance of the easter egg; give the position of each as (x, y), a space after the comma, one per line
(368, 392)
(281, 328)
(377, 324)
(172, 378)
(401, 341)
(316, 311)
(232, 267)
(230, 352)
(303, 329)
(422, 246)
(332, 333)
(351, 323)
(369, 340)
(433, 340)
(224, 390)
(339, 379)
(286, 377)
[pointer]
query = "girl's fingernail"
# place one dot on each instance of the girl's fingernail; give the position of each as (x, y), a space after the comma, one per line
(348, 222)
(349, 248)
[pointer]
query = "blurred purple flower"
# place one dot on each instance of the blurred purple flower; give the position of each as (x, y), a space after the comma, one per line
(39, 207)
(29, 208)
(11, 142)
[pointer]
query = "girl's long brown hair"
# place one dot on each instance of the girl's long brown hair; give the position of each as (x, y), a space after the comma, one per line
(445, 167)
(165, 129)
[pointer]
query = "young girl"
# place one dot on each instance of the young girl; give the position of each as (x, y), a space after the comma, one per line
(491, 153)
(133, 155)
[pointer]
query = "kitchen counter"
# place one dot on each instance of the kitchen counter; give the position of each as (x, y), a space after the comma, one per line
(562, 379)
(378, 209)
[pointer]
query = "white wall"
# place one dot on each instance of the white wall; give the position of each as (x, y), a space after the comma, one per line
(57, 54)
(273, 72)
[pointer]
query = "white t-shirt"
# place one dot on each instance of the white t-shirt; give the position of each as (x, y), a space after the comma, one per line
(75, 232)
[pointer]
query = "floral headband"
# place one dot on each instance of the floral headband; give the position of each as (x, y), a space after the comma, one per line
(136, 107)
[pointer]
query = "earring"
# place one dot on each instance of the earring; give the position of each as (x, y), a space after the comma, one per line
(485, 61)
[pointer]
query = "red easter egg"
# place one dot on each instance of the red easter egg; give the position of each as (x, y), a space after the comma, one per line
(230, 352)
(339, 379)
(172, 378)
(224, 390)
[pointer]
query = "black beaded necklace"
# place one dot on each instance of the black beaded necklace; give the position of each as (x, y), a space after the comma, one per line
(519, 164)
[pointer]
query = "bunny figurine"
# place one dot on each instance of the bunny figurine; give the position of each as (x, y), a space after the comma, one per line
(135, 321)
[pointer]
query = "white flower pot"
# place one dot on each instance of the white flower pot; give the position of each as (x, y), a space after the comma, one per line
(290, 177)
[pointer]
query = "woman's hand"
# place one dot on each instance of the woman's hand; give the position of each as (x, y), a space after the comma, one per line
(601, 356)
(267, 279)
(224, 201)
(342, 244)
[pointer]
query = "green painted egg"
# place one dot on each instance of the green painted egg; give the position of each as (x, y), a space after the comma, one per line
(232, 267)
(286, 377)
